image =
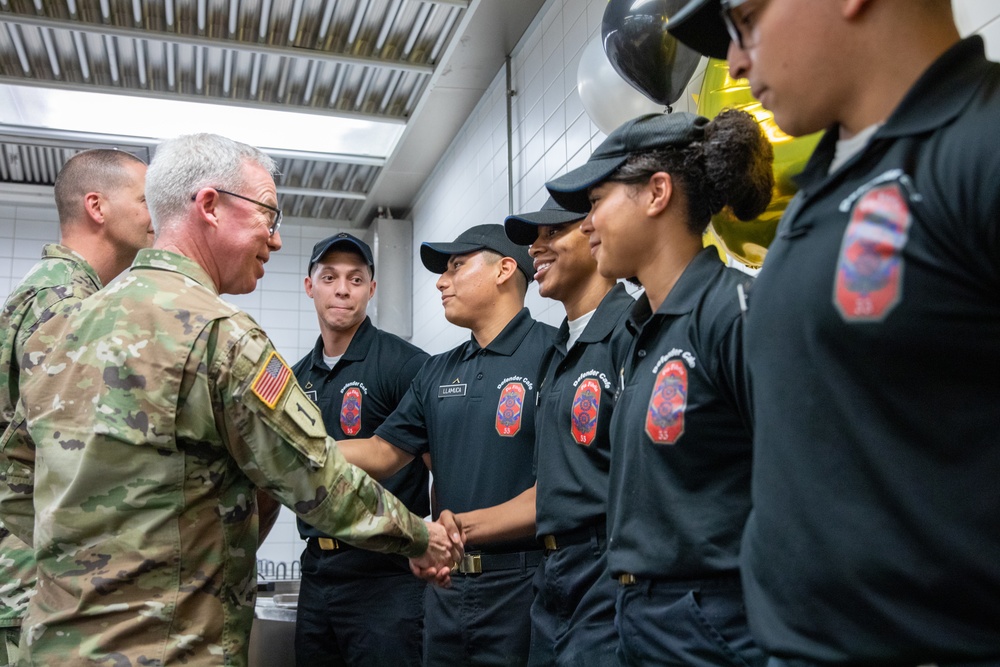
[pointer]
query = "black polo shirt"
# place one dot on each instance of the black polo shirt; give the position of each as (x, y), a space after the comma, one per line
(873, 339)
(680, 432)
(357, 394)
(473, 409)
(577, 395)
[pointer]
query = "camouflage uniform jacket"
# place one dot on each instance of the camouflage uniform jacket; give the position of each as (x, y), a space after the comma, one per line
(156, 409)
(62, 278)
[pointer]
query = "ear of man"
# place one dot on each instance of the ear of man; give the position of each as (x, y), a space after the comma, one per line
(207, 203)
(93, 207)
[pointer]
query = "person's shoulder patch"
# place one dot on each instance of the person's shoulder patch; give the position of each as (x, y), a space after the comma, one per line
(271, 380)
(304, 413)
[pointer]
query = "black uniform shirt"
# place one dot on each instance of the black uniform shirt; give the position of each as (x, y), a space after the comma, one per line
(873, 339)
(473, 409)
(575, 400)
(358, 393)
(680, 433)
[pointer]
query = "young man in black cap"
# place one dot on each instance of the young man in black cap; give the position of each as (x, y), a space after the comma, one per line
(357, 607)
(473, 410)
(572, 617)
(873, 335)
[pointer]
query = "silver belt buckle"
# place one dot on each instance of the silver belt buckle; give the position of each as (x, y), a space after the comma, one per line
(471, 564)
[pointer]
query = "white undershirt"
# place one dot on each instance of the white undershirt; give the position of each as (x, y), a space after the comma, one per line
(577, 326)
(331, 361)
(848, 148)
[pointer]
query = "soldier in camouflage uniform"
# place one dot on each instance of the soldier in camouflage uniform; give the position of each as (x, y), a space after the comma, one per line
(103, 222)
(157, 409)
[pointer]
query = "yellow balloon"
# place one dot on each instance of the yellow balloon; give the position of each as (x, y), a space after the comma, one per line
(748, 241)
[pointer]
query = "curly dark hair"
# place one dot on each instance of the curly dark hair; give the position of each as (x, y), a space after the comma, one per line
(732, 166)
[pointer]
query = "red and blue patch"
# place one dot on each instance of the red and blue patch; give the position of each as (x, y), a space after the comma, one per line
(350, 412)
(665, 415)
(509, 409)
(586, 406)
(870, 265)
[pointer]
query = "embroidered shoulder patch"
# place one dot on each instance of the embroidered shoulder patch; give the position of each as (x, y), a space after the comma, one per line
(271, 380)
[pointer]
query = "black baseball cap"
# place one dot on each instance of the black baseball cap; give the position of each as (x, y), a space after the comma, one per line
(699, 25)
(481, 237)
(350, 243)
(645, 133)
(522, 229)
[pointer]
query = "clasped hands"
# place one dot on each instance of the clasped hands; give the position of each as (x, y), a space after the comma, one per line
(445, 549)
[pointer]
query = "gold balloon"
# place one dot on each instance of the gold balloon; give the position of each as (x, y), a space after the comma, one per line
(748, 241)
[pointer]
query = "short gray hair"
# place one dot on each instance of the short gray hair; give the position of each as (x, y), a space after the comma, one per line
(182, 166)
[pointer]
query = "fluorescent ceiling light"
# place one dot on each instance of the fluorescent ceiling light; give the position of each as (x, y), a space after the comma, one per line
(121, 115)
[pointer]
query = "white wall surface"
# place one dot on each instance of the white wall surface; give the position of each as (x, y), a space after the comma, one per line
(552, 134)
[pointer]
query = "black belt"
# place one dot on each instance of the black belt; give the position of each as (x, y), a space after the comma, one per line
(577, 536)
(477, 563)
(327, 546)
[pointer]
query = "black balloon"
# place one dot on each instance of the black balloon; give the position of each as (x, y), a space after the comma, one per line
(643, 52)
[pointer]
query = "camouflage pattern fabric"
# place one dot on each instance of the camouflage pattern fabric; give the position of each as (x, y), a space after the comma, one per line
(156, 409)
(62, 278)
(8, 646)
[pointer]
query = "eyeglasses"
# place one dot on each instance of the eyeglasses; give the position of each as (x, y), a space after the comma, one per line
(277, 211)
(738, 27)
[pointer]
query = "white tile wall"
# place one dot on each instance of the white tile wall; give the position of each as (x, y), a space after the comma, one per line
(551, 135)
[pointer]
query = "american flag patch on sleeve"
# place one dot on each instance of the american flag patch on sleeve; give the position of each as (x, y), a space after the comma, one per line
(271, 380)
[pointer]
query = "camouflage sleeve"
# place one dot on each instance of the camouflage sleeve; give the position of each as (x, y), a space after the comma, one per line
(279, 440)
(17, 475)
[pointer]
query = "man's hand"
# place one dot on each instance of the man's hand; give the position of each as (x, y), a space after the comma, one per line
(453, 525)
(442, 552)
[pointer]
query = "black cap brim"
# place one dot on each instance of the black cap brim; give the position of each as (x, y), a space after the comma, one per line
(352, 244)
(435, 256)
(570, 190)
(491, 237)
(522, 229)
(699, 26)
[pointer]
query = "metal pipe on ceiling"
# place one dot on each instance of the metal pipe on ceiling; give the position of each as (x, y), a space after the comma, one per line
(140, 61)
(390, 19)
(109, 46)
(15, 36)
(234, 15)
(81, 54)
(449, 23)
(324, 25)
(265, 20)
(50, 51)
(293, 24)
(366, 81)
(359, 15)
(418, 26)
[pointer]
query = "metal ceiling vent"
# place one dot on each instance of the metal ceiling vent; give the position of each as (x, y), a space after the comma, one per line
(357, 59)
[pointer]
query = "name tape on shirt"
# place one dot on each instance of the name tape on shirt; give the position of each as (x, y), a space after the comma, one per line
(271, 380)
(449, 390)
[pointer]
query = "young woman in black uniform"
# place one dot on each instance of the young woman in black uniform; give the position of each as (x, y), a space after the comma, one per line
(572, 615)
(681, 446)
